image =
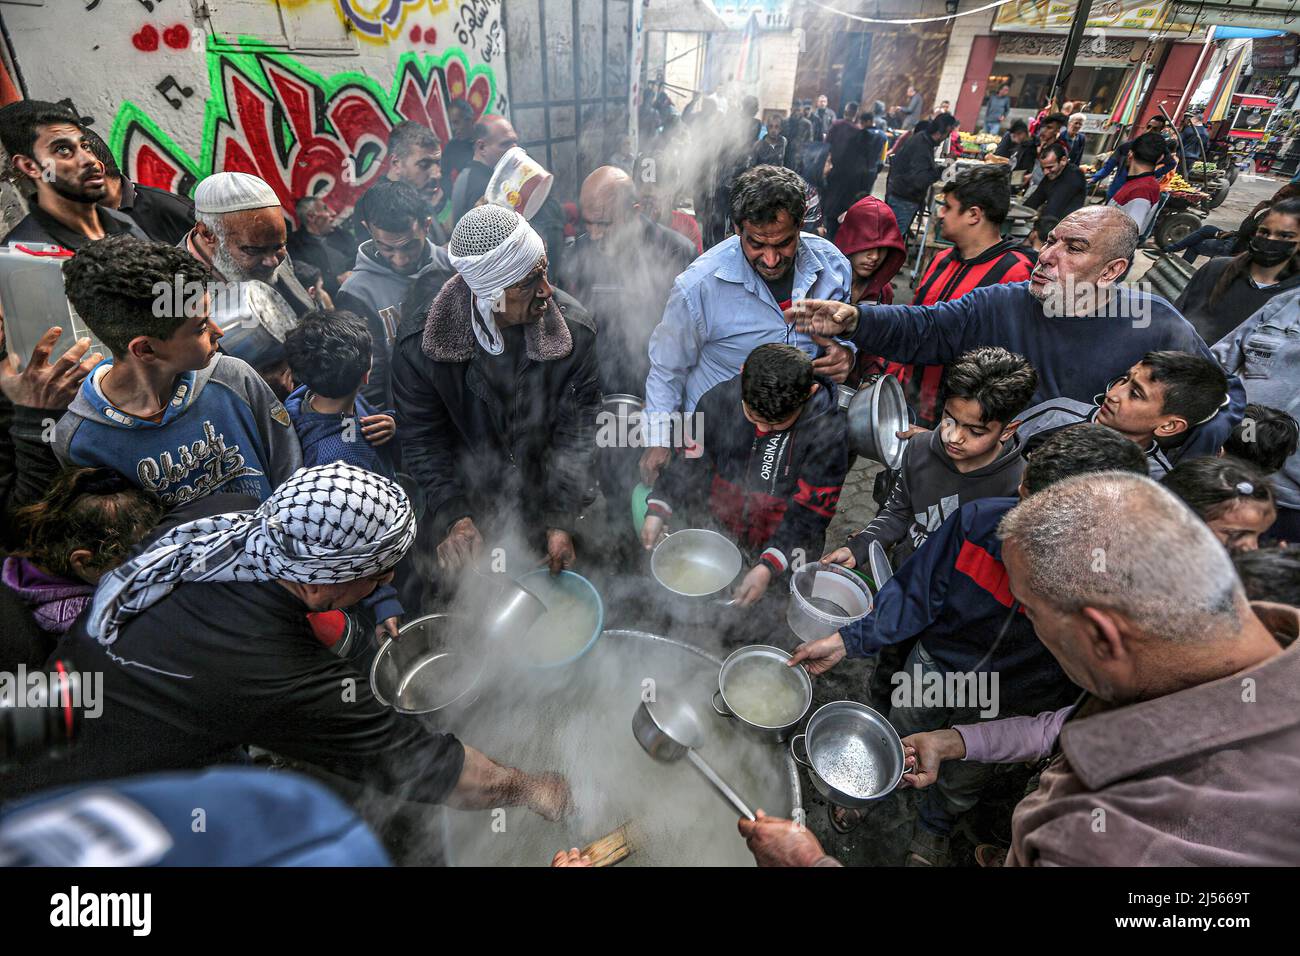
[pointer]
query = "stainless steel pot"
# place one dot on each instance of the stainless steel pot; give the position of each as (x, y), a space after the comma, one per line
(668, 730)
(421, 672)
(854, 755)
(825, 598)
(876, 413)
(714, 557)
(777, 658)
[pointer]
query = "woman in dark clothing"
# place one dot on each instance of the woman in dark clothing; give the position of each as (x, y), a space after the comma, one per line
(1226, 291)
(1213, 241)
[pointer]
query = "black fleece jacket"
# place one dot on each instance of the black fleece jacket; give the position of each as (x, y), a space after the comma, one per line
(774, 493)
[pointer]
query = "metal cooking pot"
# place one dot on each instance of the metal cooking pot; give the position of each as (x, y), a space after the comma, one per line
(876, 413)
(854, 755)
(421, 672)
(668, 730)
(714, 554)
(778, 658)
(825, 598)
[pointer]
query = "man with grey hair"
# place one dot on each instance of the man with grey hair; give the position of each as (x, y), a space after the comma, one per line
(1073, 320)
(497, 391)
(1187, 750)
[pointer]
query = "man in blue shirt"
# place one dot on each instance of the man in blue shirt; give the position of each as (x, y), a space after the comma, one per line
(731, 299)
(1195, 138)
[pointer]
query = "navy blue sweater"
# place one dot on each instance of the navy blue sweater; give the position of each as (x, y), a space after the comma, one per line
(1075, 357)
(953, 594)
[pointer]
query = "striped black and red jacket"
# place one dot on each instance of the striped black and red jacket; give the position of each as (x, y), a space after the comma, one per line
(951, 277)
(775, 492)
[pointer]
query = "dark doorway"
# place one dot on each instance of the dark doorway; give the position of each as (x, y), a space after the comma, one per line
(854, 51)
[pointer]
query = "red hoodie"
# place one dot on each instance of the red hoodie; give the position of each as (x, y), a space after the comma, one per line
(870, 224)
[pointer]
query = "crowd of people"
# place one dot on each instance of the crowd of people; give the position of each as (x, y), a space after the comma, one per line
(1094, 502)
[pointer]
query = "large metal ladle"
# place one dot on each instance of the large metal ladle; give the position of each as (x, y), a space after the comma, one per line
(668, 729)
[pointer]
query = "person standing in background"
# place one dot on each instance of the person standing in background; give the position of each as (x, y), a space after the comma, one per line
(459, 150)
(995, 112)
(493, 138)
(912, 111)
(1074, 139)
(823, 117)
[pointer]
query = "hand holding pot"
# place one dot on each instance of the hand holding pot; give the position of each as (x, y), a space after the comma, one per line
(818, 657)
(652, 462)
(560, 553)
(754, 585)
(652, 531)
(925, 752)
(841, 556)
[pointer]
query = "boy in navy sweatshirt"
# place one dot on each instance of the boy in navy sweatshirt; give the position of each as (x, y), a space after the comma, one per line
(953, 594)
(773, 459)
(330, 355)
(168, 411)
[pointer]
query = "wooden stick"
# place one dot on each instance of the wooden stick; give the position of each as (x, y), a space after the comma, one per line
(614, 847)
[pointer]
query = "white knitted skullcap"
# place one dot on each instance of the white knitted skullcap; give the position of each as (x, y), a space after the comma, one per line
(483, 229)
(221, 193)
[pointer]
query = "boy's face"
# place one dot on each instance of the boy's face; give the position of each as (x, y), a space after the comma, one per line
(188, 349)
(964, 432)
(866, 262)
(403, 251)
(1134, 407)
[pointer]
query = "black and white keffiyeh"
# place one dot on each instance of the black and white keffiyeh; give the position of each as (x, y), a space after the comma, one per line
(325, 525)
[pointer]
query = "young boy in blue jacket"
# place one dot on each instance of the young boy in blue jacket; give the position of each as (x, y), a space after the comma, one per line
(953, 594)
(329, 354)
(167, 410)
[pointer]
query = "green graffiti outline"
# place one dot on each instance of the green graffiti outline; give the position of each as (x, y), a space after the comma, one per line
(246, 55)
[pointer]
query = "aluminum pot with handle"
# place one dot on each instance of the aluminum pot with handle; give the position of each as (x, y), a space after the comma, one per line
(853, 754)
(876, 414)
(696, 566)
(763, 654)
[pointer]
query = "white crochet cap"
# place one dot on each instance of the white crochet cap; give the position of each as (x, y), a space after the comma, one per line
(482, 229)
(221, 193)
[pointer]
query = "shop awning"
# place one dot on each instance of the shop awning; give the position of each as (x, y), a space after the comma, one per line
(1221, 99)
(684, 16)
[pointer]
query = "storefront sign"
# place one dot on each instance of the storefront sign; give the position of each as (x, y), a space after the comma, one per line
(1048, 47)
(1055, 16)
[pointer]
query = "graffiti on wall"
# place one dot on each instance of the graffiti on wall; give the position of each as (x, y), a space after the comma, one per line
(304, 133)
(379, 21)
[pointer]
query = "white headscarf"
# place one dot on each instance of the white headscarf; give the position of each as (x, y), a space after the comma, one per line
(493, 248)
(325, 525)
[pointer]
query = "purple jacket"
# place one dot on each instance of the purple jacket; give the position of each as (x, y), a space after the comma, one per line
(55, 602)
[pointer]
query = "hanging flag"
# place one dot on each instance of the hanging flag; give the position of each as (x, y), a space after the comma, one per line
(747, 59)
(1221, 98)
(1130, 96)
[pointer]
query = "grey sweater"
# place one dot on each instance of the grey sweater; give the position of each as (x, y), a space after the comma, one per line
(1264, 352)
(928, 490)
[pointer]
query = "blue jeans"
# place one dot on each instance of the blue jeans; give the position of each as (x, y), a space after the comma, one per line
(1202, 242)
(904, 212)
(992, 127)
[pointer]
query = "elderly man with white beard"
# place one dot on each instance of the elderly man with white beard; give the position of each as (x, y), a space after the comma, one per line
(1076, 324)
(240, 235)
(497, 393)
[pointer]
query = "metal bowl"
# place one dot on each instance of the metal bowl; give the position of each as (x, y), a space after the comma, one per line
(714, 555)
(825, 598)
(854, 755)
(876, 413)
(545, 586)
(421, 672)
(778, 659)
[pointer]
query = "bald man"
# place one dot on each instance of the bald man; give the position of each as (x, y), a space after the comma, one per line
(622, 269)
(1073, 320)
(493, 138)
(1186, 750)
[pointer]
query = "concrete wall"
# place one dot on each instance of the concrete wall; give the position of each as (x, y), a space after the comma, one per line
(300, 92)
(964, 29)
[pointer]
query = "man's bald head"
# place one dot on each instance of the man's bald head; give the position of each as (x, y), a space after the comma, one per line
(1116, 232)
(1084, 256)
(493, 138)
(607, 201)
